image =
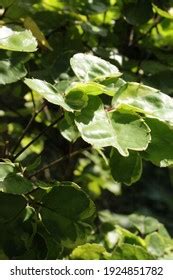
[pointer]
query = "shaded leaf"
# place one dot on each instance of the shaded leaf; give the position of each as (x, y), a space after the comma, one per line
(64, 210)
(16, 184)
(160, 150)
(131, 252)
(5, 169)
(68, 128)
(138, 13)
(11, 72)
(127, 170)
(76, 99)
(10, 206)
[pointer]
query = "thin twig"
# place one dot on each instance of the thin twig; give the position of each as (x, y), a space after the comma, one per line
(27, 127)
(57, 161)
(37, 137)
(156, 22)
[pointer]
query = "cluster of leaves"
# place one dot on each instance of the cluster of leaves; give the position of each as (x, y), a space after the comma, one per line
(98, 108)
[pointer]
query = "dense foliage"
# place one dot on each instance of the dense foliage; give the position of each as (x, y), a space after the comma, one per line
(86, 137)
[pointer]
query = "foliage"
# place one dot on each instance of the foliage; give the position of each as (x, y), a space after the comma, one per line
(86, 112)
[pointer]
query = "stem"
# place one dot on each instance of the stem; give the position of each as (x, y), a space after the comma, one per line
(57, 161)
(26, 128)
(156, 22)
(37, 137)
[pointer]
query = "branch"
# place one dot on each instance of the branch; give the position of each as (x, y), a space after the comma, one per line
(37, 137)
(26, 128)
(57, 161)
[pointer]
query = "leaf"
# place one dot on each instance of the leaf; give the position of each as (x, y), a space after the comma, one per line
(5, 169)
(163, 13)
(146, 100)
(16, 184)
(144, 224)
(76, 99)
(47, 91)
(11, 72)
(10, 206)
(68, 128)
(160, 150)
(129, 237)
(138, 13)
(118, 129)
(30, 24)
(65, 209)
(131, 252)
(109, 86)
(89, 252)
(90, 88)
(155, 244)
(21, 41)
(127, 170)
(89, 67)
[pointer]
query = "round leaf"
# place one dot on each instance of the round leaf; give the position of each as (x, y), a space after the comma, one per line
(16, 184)
(127, 170)
(10, 206)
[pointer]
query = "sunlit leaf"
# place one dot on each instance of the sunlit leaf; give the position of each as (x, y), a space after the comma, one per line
(118, 129)
(146, 100)
(89, 252)
(88, 67)
(48, 92)
(21, 41)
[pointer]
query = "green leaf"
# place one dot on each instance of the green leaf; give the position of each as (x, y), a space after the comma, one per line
(11, 72)
(65, 209)
(138, 13)
(129, 237)
(5, 169)
(144, 224)
(146, 100)
(118, 129)
(89, 67)
(155, 244)
(10, 206)
(16, 184)
(163, 13)
(47, 91)
(76, 99)
(21, 41)
(127, 170)
(90, 88)
(131, 252)
(68, 128)
(160, 150)
(89, 252)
